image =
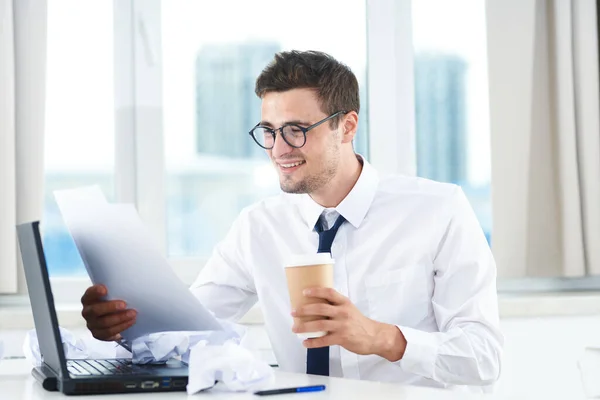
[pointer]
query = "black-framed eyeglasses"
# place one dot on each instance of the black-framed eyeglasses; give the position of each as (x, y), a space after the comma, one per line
(294, 135)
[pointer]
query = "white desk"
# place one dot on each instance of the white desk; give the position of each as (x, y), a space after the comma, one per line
(16, 382)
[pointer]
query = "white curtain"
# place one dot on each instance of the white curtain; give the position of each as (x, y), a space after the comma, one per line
(22, 101)
(545, 127)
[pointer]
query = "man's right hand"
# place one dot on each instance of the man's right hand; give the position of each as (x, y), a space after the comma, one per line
(105, 319)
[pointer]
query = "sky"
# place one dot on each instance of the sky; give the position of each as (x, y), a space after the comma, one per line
(80, 104)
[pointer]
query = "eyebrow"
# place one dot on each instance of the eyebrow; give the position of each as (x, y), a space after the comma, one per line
(294, 122)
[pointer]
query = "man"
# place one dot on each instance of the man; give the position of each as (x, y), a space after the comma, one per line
(415, 299)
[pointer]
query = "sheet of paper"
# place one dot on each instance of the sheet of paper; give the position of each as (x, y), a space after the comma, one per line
(76, 203)
(119, 252)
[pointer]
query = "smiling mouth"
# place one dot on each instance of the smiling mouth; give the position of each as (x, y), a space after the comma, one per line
(289, 167)
(292, 164)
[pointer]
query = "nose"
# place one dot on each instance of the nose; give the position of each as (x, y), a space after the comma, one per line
(280, 147)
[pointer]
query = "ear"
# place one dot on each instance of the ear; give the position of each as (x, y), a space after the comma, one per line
(349, 125)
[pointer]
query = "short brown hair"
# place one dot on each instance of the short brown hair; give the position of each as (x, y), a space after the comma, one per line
(335, 84)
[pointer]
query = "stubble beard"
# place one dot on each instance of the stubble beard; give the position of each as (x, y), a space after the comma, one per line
(316, 181)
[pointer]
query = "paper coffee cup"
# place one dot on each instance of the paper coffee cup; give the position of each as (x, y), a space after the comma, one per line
(306, 271)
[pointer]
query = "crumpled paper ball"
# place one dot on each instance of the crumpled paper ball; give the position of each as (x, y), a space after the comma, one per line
(162, 346)
(74, 347)
(233, 367)
(154, 348)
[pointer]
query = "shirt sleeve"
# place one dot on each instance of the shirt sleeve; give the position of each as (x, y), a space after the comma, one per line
(467, 349)
(225, 285)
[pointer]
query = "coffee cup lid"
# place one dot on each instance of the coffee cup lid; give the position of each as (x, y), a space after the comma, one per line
(301, 260)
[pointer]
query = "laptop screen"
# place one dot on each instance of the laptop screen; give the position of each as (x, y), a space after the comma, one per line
(40, 295)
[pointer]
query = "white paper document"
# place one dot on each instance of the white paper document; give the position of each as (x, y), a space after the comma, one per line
(119, 252)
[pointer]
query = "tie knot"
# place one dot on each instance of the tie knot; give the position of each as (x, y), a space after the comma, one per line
(329, 221)
(326, 236)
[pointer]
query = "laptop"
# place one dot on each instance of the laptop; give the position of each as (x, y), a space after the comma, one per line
(73, 377)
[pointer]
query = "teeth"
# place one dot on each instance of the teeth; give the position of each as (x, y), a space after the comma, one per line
(291, 165)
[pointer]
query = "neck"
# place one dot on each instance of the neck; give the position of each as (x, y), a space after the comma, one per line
(332, 194)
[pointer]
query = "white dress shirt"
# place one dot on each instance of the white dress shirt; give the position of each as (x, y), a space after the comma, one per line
(411, 254)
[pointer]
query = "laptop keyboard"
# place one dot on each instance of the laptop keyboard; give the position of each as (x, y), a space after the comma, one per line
(102, 367)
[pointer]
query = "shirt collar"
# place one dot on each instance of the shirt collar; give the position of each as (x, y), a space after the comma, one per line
(355, 205)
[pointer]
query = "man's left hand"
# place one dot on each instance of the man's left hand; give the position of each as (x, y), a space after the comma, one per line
(346, 326)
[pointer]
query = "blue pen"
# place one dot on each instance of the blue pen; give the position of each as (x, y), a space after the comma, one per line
(301, 389)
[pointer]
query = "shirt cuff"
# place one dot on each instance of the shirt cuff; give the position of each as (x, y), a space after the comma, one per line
(420, 353)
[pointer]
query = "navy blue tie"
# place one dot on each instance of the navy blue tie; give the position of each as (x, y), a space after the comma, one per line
(317, 360)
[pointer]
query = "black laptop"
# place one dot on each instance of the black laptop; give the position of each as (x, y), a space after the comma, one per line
(82, 376)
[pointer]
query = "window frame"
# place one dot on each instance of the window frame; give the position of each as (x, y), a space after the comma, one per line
(139, 151)
(139, 157)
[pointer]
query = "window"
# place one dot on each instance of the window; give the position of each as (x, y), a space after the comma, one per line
(451, 98)
(214, 169)
(79, 137)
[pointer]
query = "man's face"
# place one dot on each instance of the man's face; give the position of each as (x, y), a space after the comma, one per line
(311, 167)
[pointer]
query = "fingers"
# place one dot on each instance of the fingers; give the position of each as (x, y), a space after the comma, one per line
(327, 340)
(326, 325)
(111, 320)
(328, 294)
(99, 309)
(319, 310)
(105, 319)
(93, 294)
(110, 333)
(115, 338)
